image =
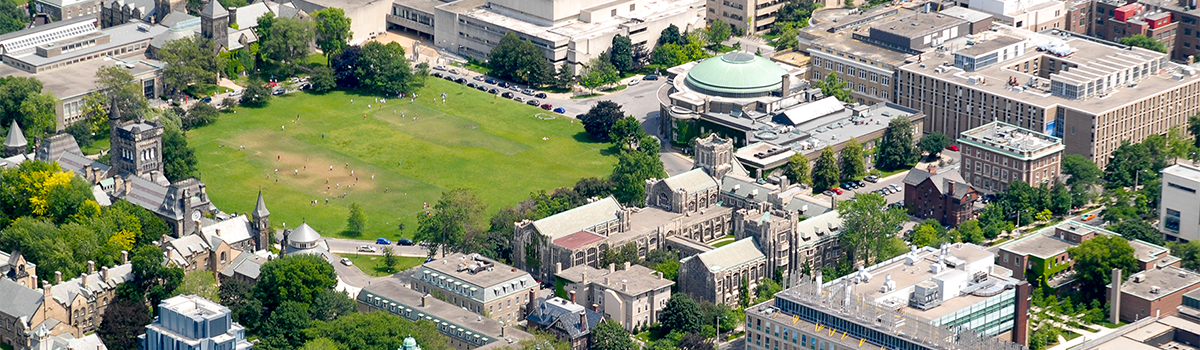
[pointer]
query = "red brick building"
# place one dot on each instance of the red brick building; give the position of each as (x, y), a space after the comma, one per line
(939, 194)
(1155, 293)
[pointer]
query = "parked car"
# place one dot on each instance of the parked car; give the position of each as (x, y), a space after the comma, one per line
(519, 99)
(366, 248)
(633, 82)
(533, 102)
(438, 74)
(481, 87)
(871, 178)
(493, 91)
(540, 95)
(461, 80)
(507, 94)
(651, 77)
(515, 87)
(404, 241)
(478, 77)
(547, 106)
(206, 99)
(847, 186)
(235, 93)
(560, 110)
(453, 71)
(503, 84)
(952, 148)
(439, 67)
(837, 190)
(527, 92)
(829, 193)
(490, 81)
(279, 91)
(347, 262)
(471, 85)
(382, 240)
(448, 77)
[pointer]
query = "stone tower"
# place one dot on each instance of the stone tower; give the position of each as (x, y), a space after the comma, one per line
(214, 24)
(260, 221)
(714, 154)
(162, 8)
(15, 143)
(136, 146)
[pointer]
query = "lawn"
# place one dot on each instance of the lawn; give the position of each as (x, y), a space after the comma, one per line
(373, 264)
(499, 149)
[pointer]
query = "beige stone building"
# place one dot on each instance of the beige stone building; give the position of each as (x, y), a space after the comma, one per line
(996, 154)
(73, 306)
(633, 296)
(751, 16)
(717, 275)
(479, 284)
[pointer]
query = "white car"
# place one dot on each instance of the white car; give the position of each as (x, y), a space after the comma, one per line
(235, 93)
(366, 248)
(634, 82)
(347, 262)
(439, 67)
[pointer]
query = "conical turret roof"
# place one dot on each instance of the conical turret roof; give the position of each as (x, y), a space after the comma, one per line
(15, 137)
(260, 209)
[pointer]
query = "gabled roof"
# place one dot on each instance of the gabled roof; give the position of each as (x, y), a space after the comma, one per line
(245, 264)
(948, 181)
(175, 17)
(214, 10)
(233, 230)
(586, 216)
(54, 146)
(66, 291)
(17, 300)
(732, 255)
(692, 181)
(247, 16)
(15, 137)
(561, 315)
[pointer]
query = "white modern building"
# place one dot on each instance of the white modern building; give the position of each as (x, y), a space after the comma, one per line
(1179, 216)
(192, 322)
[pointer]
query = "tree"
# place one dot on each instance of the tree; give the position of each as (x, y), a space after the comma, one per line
(121, 91)
(1194, 129)
(297, 278)
(681, 314)
(627, 132)
(234, 294)
(199, 282)
(609, 335)
(377, 330)
(12, 16)
(641, 56)
(797, 169)
(630, 175)
(389, 259)
(668, 55)
(925, 236)
(599, 120)
(934, 143)
(719, 31)
(320, 344)
(1130, 163)
(565, 77)
(323, 80)
(853, 164)
(456, 215)
(179, 159)
(1095, 259)
(1138, 229)
(343, 64)
(122, 322)
(787, 38)
(1188, 253)
(384, 69)
(694, 341)
(670, 35)
(190, 60)
(1081, 170)
(1143, 41)
(1060, 199)
(520, 61)
(36, 115)
(598, 72)
(331, 304)
(621, 53)
(285, 322)
(332, 30)
(896, 149)
(200, 114)
(870, 225)
(766, 290)
(154, 280)
(971, 232)
(833, 87)
(287, 40)
(356, 224)
(257, 94)
(825, 170)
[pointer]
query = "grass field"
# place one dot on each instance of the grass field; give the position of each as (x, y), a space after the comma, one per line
(373, 264)
(490, 145)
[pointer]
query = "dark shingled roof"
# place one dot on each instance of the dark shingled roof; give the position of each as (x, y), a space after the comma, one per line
(561, 319)
(214, 10)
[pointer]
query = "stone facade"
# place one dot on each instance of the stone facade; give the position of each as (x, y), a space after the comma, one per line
(72, 306)
(717, 276)
(940, 194)
(136, 146)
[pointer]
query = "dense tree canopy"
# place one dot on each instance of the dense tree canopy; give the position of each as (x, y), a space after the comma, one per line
(598, 72)
(13, 16)
(179, 161)
(621, 53)
(853, 164)
(377, 331)
(797, 169)
(681, 314)
(599, 120)
(298, 278)
(832, 86)
(520, 61)
(1095, 259)
(332, 30)
(825, 170)
(1143, 41)
(896, 150)
(122, 322)
(384, 69)
(870, 227)
(457, 215)
(609, 335)
(190, 60)
(121, 91)
(1138, 229)
(287, 40)
(934, 143)
(22, 99)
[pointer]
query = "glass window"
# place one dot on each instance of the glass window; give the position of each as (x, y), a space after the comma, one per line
(1172, 222)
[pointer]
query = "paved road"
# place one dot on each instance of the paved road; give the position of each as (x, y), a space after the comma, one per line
(897, 179)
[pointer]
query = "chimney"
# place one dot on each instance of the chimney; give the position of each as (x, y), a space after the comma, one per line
(605, 280)
(1114, 297)
(124, 257)
(425, 300)
(572, 296)
(84, 278)
(783, 182)
(584, 276)
(932, 169)
(626, 266)
(595, 308)
(612, 267)
(532, 299)
(583, 326)
(557, 267)
(785, 86)
(503, 330)
(233, 15)
(658, 275)
(104, 274)
(91, 267)
(128, 187)
(218, 231)
(624, 285)
(46, 290)
(57, 277)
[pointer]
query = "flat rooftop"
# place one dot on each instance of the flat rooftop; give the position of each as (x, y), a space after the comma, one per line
(845, 42)
(1042, 244)
(758, 155)
(1186, 171)
(120, 36)
(648, 11)
(579, 239)
(1011, 140)
(391, 291)
(966, 14)
(987, 46)
(66, 82)
(1086, 52)
(918, 24)
(1168, 280)
(499, 273)
(1146, 252)
(422, 5)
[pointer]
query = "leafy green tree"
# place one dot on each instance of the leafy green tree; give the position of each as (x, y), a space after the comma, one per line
(520, 61)
(766, 290)
(356, 223)
(825, 170)
(599, 120)
(199, 282)
(896, 149)
(179, 161)
(389, 259)
(797, 169)
(154, 280)
(285, 322)
(609, 335)
(331, 304)
(670, 35)
(971, 231)
(1188, 253)
(787, 38)
(681, 314)
(119, 90)
(1060, 199)
(234, 294)
(925, 236)
(668, 55)
(257, 94)
(320, 344)
(853, 165)
(190, 60)
(1138, 229)
(332, 30)
(719, 31)
(323, 79)
(630, 175)
(123, 320)
(1081, 170)
(621, 53)
(343, 64)
(564, 77)
(36, 115)
(1130, 163)
(1095, 259)
(200, 114)
(250, 315)
(1194, 129)
(377, 330)
(870, 226)
(287, 42)
(934, 143)
(598, 72)
(12, 16)
(383, 69)
(296, 278)
(13, 91)
(1143, 41)
(833, 87)
(458, 214)
(626, 132)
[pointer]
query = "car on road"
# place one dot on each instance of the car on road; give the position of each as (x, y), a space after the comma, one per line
(836, 190)
(489, 80)
(519, 99)
(448, 77)
(1087, 217)
(347, 262)
(527, 92)
(651, 77)
(478, 77)
(503, 84)
(547, 106)
(847, 186)
(633, 82)
(383, 241)
(235, 93)
(279, 91)
(540, 95)
(533, 102)
(515, 87)
(429, 259)
(829, 193)
(439, 67)
(871, 178)
(895, 187)
(507, 94)
(206, 99)
(366, 249)
(404, 241)
(461, 80)
(859, 184)
(952, 148)
(560, 110)
(493, 91)
(481, 87)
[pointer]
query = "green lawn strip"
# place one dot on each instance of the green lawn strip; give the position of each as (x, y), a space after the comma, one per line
(373, 264)
(492, 146)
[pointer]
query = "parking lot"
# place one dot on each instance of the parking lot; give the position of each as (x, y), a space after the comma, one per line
(896, 179)
(495, 86)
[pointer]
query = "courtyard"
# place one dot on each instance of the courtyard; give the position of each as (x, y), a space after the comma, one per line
(313, 155)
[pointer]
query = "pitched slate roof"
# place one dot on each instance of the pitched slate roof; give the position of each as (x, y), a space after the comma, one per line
(245, 264)
(260, 209)
(692, 181)
(17, 300)
(66, 291)
(213, 9)
(579, 219)
(558, 314)
(55, 146)
(232, 230)
(732, 255)
(948, 181)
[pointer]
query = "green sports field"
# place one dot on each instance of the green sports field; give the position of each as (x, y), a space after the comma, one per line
(501, 150)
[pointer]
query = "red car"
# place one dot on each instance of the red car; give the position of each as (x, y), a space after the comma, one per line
(547, 106)
(836, 190)
(952, 148)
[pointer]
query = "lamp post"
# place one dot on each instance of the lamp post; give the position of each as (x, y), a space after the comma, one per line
(717, 326)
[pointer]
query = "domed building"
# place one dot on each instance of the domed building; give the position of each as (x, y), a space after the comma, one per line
(737, 74)
(303, 240)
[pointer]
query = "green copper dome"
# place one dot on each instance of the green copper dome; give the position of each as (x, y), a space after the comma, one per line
(736, 74)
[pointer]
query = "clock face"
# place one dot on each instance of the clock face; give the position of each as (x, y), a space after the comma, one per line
(195, 215)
